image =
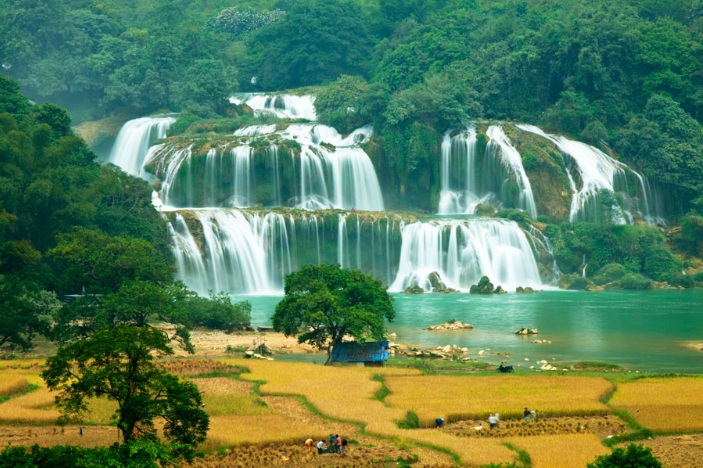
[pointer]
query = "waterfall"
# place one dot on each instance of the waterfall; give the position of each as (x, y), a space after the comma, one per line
(591, 173)
(469, 180)
(462, 251)
(135, 138)
(512, 161)
(323, 170)
(283, 106)
(458, 160)
(251, 252)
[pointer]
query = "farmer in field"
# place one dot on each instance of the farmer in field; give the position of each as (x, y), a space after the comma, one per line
(526, 414)
(320, 447)
(309, 443)
(338, 444)
(439, 422)
(492, 421)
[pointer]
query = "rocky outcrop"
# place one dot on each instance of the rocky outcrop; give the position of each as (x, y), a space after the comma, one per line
(526, 331)
(438, 285)
(525, 290)
(414, 290)
(451, 325)
(485, 286)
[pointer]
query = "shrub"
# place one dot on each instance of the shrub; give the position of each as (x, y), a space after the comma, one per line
(635, 281)
(609, 273)
(635, 456)
(411, 421)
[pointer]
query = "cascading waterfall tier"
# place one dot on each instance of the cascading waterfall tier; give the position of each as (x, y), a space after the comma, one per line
(251, 251)
(282, 106)
(462, 251)
(307, 166)
(134, 140)
(597, 180)
(470, 179)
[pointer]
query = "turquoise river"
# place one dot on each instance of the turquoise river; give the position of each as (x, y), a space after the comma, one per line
(651, 331)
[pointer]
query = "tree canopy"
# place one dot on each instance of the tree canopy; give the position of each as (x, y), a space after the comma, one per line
(119, 364)
(323, 304)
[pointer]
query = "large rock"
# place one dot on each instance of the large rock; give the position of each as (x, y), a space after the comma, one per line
(484, 286)
(414, 290)
(453, 325)
(526, 331)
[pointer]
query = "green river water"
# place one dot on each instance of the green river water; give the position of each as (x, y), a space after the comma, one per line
(642, 331)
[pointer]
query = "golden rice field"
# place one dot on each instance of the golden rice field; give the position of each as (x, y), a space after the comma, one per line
(11, 384)
(294, 401)
(460, 397)
(561, 451)
(663, 404)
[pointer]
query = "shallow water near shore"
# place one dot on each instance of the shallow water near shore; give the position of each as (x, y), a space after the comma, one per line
(644, 331)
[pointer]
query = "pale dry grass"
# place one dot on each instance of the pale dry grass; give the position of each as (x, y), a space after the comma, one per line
(663, 404)
(227, 397)
(255, 429)
(467, 397)
(100, 411)
(36, 407)
(11, 384)
(93, 436)
(561, 451)
(22, 365)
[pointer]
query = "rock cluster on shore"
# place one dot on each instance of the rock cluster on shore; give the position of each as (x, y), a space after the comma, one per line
(451, 325)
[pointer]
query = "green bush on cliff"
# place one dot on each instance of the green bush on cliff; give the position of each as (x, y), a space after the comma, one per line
(635, 281)
(609, 273)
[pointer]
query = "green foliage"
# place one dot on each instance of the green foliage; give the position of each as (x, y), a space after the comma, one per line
(312, 43)
(609, 273)
(411, 421)
(324, 303)
(635, 281)
(634, 456)
(342, 105)
(119, 364)
(216, 312)
(142, 453)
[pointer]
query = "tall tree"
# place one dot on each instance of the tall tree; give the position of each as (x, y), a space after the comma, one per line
(119, 364)
(325, 303)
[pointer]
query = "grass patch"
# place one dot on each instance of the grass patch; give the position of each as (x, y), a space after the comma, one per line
(411, 421)
(596, 366)
(523, 458)
(383, 391)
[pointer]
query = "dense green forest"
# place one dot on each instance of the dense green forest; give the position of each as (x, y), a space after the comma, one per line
(626, 77)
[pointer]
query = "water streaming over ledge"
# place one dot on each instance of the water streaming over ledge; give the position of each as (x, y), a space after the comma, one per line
(224, 240)
(592, 174)
(134, 140)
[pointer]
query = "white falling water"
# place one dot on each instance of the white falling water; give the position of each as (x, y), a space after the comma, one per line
(283, 106)
(134, 139)
(458, 154)
(512, 160)
(331, 171)
(462, 251)
(250, 252)
(469, 180)
(591, 172)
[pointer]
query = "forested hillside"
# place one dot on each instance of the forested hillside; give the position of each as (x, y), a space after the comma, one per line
(625, 77)
(625, 74)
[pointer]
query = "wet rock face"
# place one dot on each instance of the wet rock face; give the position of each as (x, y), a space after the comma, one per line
(414, 290)
(484, 286)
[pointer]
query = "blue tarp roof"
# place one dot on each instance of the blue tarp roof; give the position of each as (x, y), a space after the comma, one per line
(376, 351)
